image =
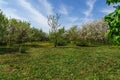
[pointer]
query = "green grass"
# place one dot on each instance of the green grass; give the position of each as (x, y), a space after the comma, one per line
(62, 63)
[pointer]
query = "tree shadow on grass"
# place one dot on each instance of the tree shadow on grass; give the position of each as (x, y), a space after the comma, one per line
(73, 46)
(37, 46)
(7, 50)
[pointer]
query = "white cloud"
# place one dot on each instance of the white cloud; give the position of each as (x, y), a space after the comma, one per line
(38, 18)
(107, 10)
(47, 6)
(3, 2)
(63, 9)
(72, 19)
(12, 13)
(90, 4)
(9, 12)
(86, 20)
(36, 15)
(88, 13)
(77, 21)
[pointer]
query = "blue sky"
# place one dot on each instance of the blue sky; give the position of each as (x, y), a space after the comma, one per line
(73, 12)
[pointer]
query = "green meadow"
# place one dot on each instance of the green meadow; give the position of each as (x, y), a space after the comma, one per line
(44, 62)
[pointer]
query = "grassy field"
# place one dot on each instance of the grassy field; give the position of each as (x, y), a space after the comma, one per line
(62, 63)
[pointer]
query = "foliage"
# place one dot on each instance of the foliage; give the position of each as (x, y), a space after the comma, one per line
(61, 37)
(14, 31)
(61, 42)
(94, 32)
(3, 26)
(18, 31)
(72, 34)
(113, 20)
(82, 43)
(22, 49)
(37, 35)
(89, 33)
(54, 24)
(112, 1)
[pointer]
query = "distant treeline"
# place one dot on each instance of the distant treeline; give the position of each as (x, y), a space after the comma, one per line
(14, 31)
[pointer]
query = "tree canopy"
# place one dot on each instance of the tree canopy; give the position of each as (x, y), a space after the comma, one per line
(113, 20)
(112, 1)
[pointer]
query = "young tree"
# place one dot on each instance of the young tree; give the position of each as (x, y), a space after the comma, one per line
(113, 20)
(3, 26)
(62, 41)
(12, 32)
(18, 31)
(72, 34)
(53, 22)
(37, 34)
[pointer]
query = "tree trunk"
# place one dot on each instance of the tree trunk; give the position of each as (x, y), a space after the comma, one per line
(55, 44)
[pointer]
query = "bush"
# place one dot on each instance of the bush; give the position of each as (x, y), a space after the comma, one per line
(22, 49)
(82, 43)
(61, 43)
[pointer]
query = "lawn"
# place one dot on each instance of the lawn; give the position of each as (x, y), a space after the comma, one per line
(62, 63)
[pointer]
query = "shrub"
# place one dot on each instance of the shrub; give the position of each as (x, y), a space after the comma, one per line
(22, 49)
(61, 43)
(82, 43)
